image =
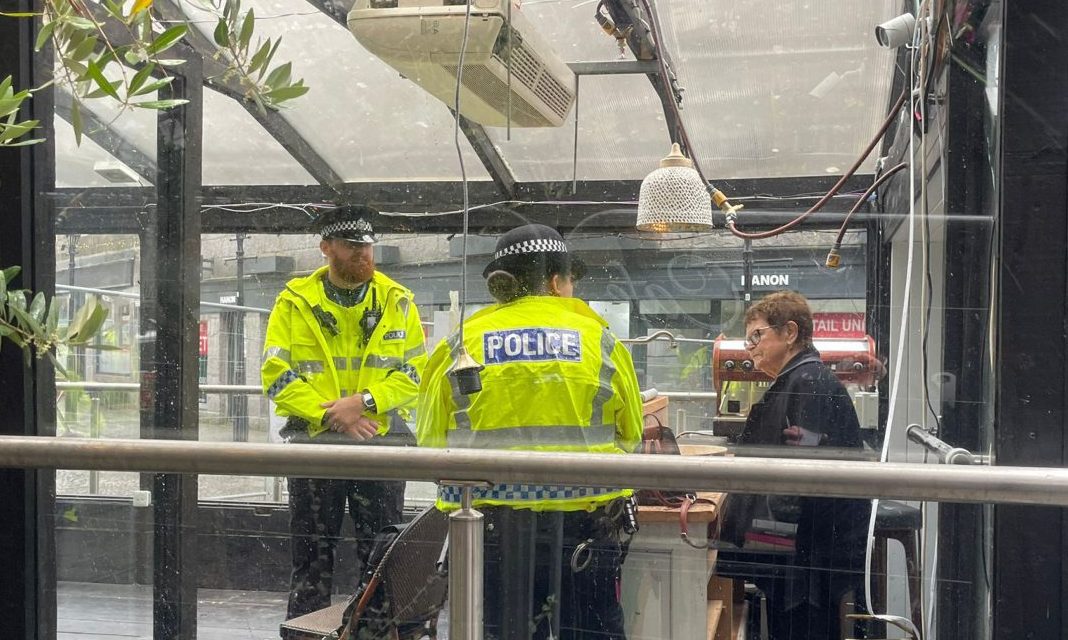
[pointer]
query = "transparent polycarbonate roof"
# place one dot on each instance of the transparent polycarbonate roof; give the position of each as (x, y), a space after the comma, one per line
(784, 89)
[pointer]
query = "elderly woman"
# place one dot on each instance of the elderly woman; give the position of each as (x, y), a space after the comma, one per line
(806, 405)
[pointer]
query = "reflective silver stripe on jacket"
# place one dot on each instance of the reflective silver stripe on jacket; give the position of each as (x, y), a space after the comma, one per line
(414, 352)
(384, 362)
(502, 438)
(604, 377)
(310, 366)
(341, 363)
(276, 352)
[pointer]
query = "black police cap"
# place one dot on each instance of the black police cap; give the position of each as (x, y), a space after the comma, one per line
(347, 222)
(530, 240)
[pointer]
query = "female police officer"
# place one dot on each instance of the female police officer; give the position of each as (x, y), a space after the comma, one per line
(555, 379)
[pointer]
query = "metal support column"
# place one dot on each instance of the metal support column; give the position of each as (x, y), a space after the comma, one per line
(170, 308)
(465, 570)
(234, 325)
(1030, 562)
(27, 395)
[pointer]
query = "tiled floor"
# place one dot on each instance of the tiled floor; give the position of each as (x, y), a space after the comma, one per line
(124, 612)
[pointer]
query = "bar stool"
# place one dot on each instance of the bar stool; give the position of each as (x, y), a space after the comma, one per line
(898, 521)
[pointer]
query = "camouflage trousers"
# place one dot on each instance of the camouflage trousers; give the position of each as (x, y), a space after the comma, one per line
(316, 513)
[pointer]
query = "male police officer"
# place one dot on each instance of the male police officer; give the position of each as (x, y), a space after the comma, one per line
(342, 361)
(555, 379)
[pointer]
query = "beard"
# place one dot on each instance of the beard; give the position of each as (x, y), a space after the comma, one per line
(354, 272)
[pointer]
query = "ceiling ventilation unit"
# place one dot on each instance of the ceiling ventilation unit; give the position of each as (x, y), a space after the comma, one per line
(422, 39)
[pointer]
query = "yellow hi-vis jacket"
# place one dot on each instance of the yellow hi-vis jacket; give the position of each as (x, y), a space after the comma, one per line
(300, 370)
(556, 379)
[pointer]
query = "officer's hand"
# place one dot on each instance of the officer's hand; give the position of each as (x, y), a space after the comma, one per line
(364, 429)
(343, 413)
(799, 436)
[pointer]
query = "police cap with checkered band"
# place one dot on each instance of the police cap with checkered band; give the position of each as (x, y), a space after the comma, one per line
(528, 242)
(350, 222)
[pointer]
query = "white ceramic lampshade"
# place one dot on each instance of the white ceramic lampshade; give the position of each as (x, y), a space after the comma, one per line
(674, 198)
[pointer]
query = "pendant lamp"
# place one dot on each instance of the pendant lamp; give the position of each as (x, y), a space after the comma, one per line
(674, 198)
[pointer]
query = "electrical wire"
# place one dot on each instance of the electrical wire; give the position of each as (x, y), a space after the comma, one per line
(833, 190)
(831, 262)
(895, 384)
(463, 172)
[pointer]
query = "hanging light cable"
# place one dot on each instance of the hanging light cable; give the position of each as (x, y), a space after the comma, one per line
(663, 212)
(465, 369)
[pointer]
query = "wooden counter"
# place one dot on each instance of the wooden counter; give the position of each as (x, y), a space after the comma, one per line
(666, 582)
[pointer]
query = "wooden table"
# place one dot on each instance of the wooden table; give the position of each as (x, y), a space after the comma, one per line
(669, 591)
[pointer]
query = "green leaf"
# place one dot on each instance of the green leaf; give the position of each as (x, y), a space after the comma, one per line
(77, 328)
(260, 57)
(110, 55)
(80, 23)
(103, 83)
(60, 369)
(87, 321)
(25, 320)
(5, 86)
(222, 34)
(19, 14)
(160, 104)
(10, 131)
(43, 35)
(167, 39)
(83, 50)
(169, 62)
(9, 106)
(139, 78)
(280, 76)
(24, 143)
(39, 307)
(282, 94)
(155, 85)
(10, 273)
(76, 121)
(114, 9)
(52, 317)
(247, 27)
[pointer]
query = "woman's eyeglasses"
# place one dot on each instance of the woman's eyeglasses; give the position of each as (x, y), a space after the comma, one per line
(753, 339)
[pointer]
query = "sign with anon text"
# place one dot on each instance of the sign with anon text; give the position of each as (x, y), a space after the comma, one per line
(532, 344)
(773, 280)
(845, 324)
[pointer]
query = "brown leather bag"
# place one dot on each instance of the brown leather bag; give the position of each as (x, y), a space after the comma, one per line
(661, 440)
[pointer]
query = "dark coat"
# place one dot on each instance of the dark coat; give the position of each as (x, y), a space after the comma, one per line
(831, 531)
(806, 394)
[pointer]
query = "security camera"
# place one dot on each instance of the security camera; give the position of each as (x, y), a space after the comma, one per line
(897, 31)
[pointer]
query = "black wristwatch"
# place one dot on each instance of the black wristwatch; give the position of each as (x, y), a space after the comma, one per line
(369, 402)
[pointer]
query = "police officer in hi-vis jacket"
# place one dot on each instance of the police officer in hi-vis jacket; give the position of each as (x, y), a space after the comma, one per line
(555, 379)
(342, 361)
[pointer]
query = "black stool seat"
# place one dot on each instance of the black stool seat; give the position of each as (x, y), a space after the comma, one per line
(897, 515)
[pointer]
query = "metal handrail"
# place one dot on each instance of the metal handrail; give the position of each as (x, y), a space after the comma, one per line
(137, 296)
(905, 481)
(135, 386)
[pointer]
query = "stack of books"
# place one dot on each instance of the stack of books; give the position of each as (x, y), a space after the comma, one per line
(770, 535)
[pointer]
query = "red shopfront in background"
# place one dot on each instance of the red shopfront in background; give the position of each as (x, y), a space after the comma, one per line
(845, 324)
